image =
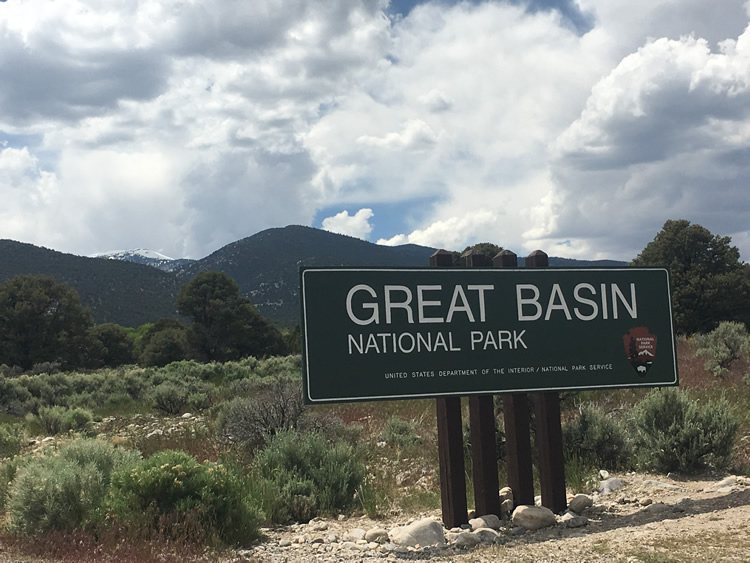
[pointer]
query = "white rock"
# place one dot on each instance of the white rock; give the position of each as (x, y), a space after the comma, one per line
(318, 525)
(157, 432)
(467, 539)
(351, 545)
(377, 535)
(726, 483)
(603, 474)
(533, 517)
(580, 502)
(422, 532)
(573, 520)
(609, 485)
(187, 415)
(486, 521)
(487, 535)
(354, 535)
(654, 485)
(285, 543)
(506, 493)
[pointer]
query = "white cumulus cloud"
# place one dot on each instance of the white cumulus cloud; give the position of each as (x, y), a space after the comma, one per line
(357, 225)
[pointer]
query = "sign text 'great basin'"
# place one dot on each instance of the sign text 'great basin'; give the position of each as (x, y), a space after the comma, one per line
(407, 333)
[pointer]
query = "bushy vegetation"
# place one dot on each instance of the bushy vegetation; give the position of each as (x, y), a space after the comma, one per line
(57, 419)
(307, 475)
(11, 436)
(400, 433)
(673, 432)
(171, 492)
(597, 438)
(722, 346)
(43, 323)
(65, 491)
(58, 402)
(273, 405)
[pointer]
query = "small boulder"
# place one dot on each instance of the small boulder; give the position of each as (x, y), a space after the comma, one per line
(580, 502)
(467, 539)
(487, 535)
(486, 521)
(573, 520)
(725, 485)
(421, 532)
(610, 485)
(354, 535)
(533, 517)
(506, 493)
(377, 535)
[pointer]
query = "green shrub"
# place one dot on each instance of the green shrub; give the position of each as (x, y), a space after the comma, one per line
(596, 438)
(13, 396)
(11, 436)
(105, 457)
(169, 398)
(581, 475)
(50, 419)
(280, 366)
(673, 432)
(8, 470)
(57, 419)
(63, 491)
(45, 367)
(310, 475)
(400, 433)
(722, 346)
(172, 488)
(52, 493)
(275, 405)
(77, 420)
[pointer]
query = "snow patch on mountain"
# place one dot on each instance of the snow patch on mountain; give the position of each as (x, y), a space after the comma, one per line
(132, 255)
(145, 257)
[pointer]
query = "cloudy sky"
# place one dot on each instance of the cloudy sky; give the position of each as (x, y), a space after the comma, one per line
(574, 126)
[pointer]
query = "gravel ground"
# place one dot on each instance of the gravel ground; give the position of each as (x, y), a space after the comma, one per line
(651, 518)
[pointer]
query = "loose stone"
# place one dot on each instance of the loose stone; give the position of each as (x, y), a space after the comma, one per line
(533, 517)
(486, 521)
(580, 502)
(610, 485)
(420, 533)
(377, 535)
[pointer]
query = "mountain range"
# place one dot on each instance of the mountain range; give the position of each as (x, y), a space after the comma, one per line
(134, 287)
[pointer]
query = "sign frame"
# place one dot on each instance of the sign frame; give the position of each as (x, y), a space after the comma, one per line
(311, 321)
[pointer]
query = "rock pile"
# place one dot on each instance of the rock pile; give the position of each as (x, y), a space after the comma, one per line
(320, 540)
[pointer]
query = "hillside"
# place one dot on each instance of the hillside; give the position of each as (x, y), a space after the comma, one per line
(266, 265)
(125, 293)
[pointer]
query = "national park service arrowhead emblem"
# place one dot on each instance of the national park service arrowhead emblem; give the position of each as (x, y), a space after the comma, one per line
(640, 349)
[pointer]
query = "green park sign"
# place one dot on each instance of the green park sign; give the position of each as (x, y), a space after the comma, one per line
(371, 334)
